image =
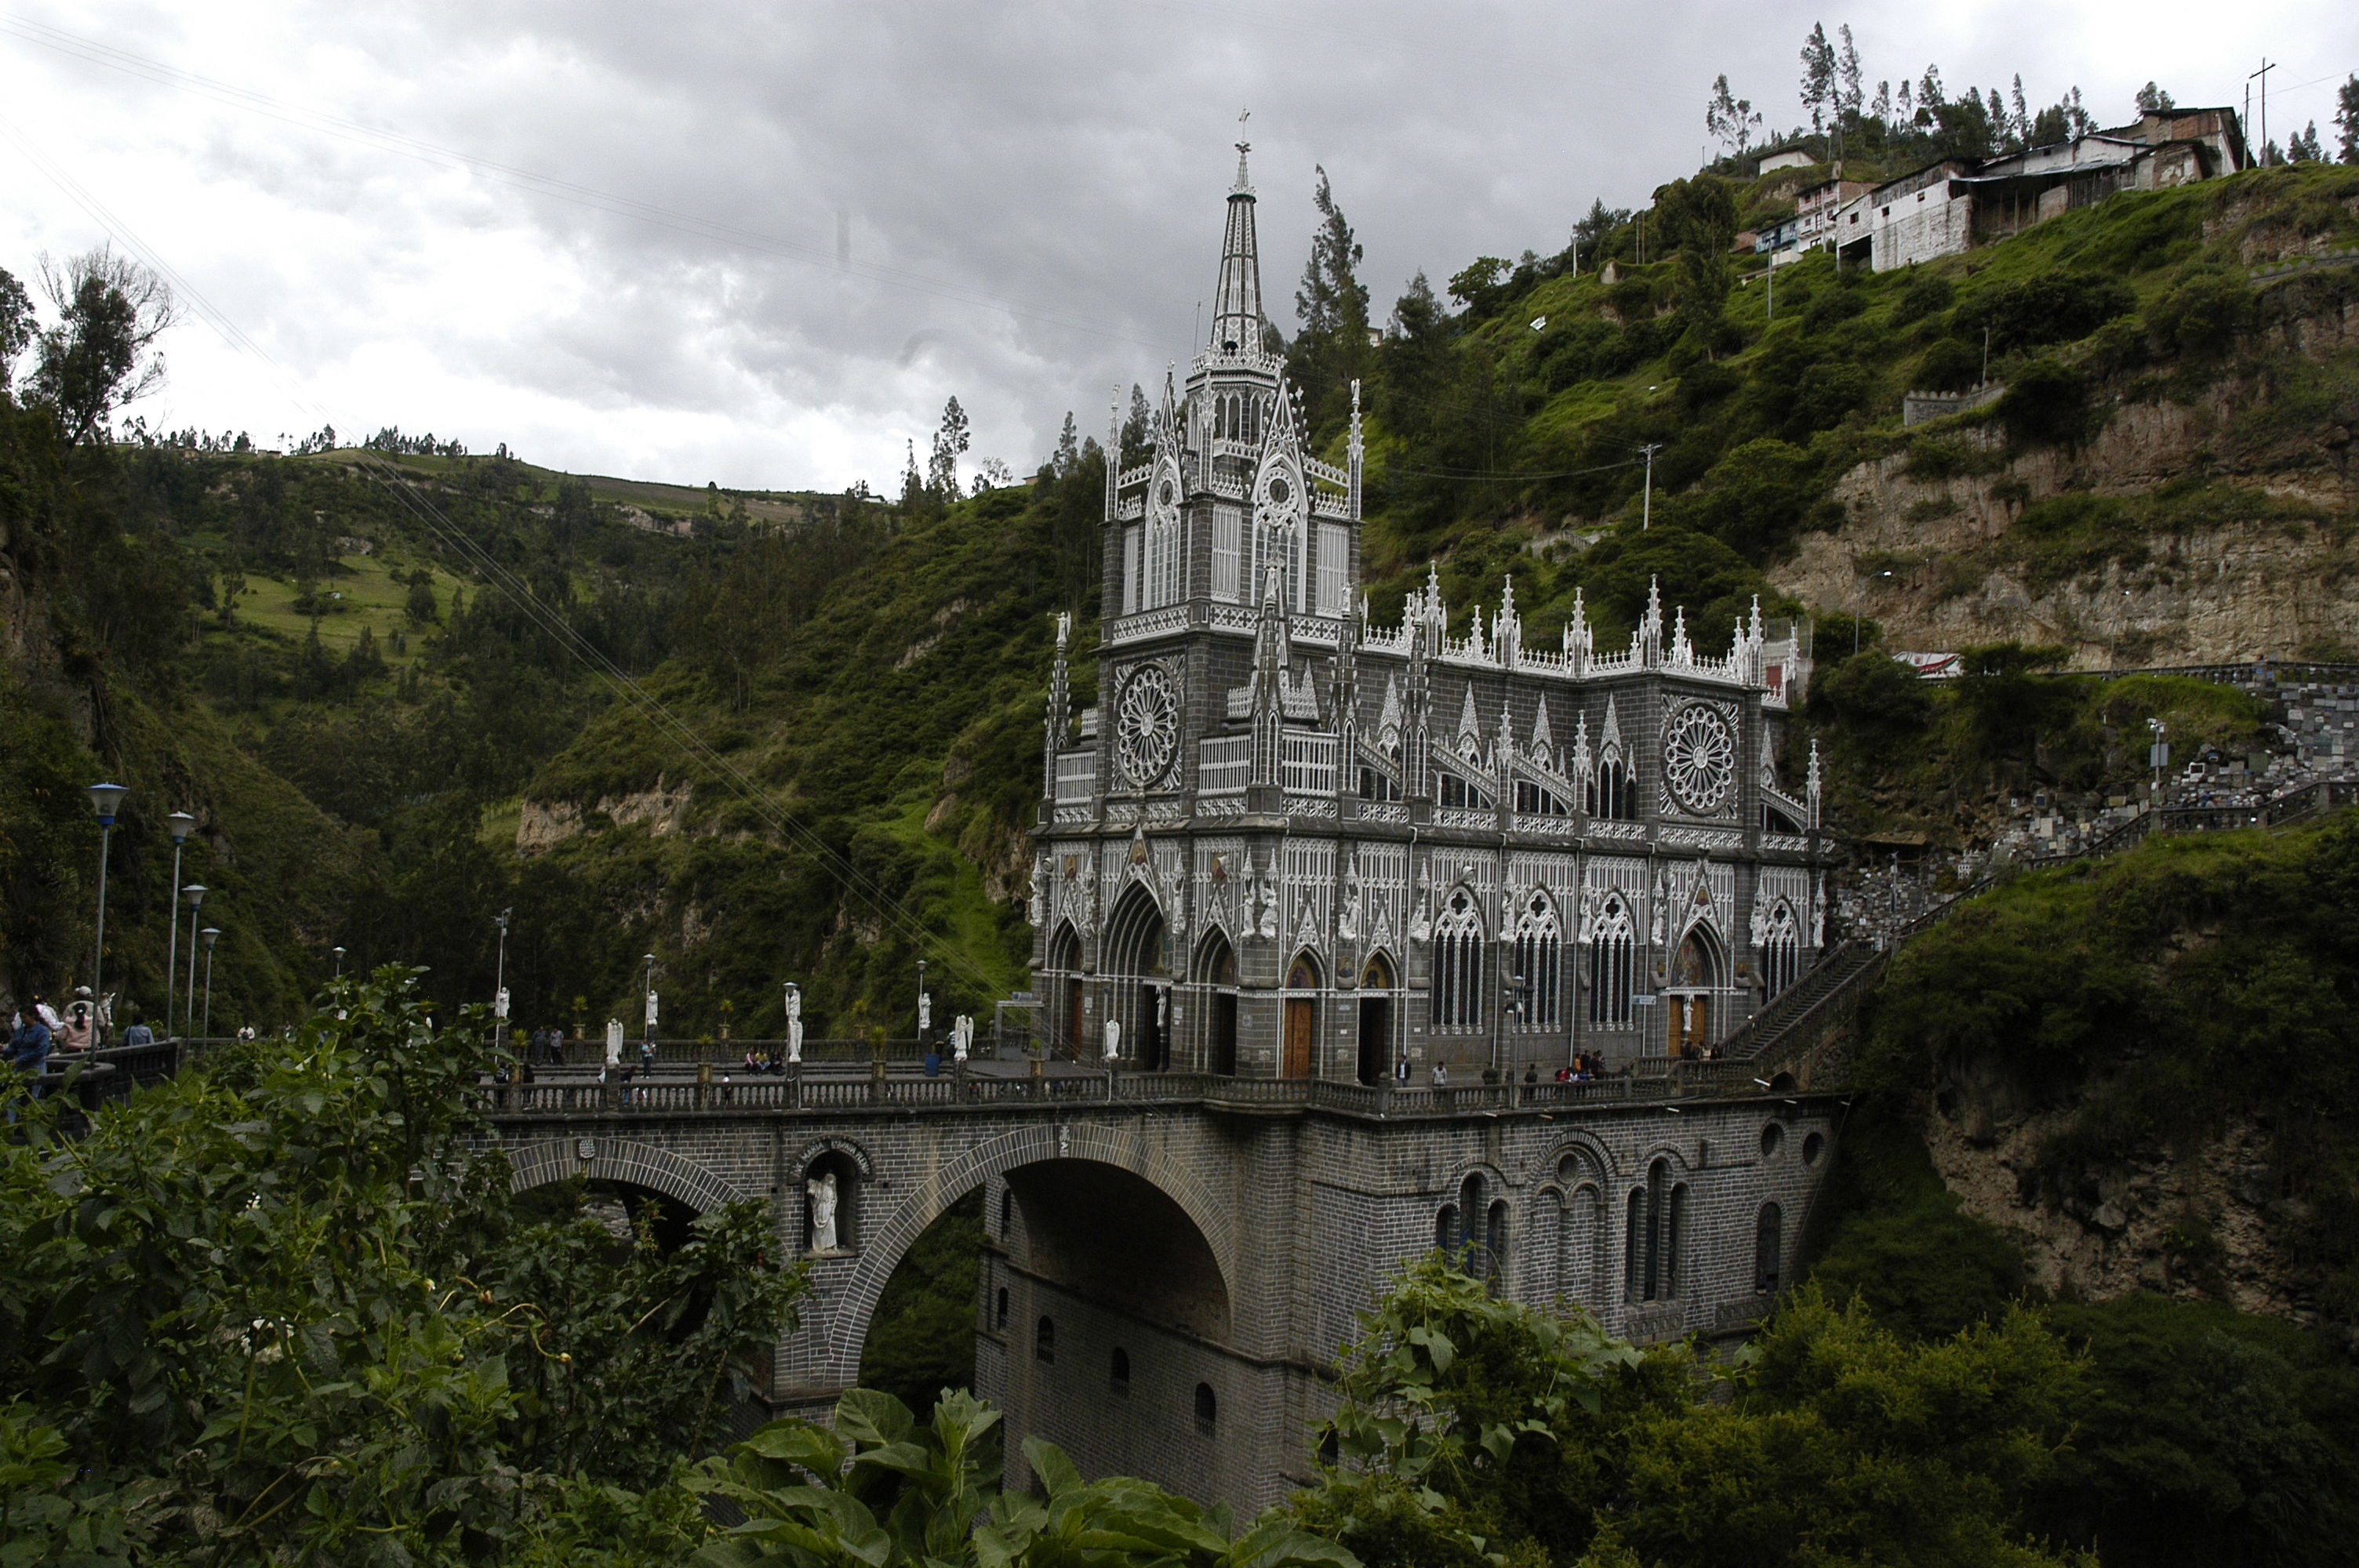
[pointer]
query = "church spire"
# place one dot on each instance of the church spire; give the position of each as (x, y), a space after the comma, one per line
(1236, 303)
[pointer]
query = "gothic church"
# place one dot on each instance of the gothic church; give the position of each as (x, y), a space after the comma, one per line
(1289, 843)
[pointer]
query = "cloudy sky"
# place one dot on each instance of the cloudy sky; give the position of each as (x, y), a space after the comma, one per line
(762, 243)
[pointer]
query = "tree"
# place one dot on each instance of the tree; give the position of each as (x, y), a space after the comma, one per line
(1727, 119)
(1068, 449)
(1136, 427)
(102, 353)
(2346, 118)
(1848, 95)
(1819, 73)
(2303, 145)
(1332, 306)
(2153, 99)
(17, 326)
(950, 445)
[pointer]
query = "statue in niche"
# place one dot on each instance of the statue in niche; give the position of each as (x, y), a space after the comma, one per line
(821, 1189)
(1347, 920)
(1112, 1038)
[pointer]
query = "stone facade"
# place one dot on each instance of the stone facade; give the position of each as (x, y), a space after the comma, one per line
(1226, 1243)
(1290, 843)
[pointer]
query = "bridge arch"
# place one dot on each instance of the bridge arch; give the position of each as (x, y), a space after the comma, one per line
(892, 1234)
(623, 1160)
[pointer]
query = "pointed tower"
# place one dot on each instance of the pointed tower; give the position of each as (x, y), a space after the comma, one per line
(1236, 302)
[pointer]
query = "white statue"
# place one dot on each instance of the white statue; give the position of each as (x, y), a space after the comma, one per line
(794, 1022)
(925, 1012)
(1112, 1038)
(651, 1011)
(962, 1036)
(613, 1042)
(822, 1190)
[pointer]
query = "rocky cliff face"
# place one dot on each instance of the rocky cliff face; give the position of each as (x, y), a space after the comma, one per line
(2265, 567)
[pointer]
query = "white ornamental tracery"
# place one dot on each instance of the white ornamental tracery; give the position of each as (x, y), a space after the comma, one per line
(1146, 724)
(1699, 759)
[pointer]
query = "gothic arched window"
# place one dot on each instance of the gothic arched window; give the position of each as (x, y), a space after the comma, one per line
(1781, 954)
(1458, 964)
(1610, 794)
(1612, 942)
(1540, 961)
(1768, 1242)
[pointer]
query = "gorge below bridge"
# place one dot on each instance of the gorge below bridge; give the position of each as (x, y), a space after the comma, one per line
(1172, 1261)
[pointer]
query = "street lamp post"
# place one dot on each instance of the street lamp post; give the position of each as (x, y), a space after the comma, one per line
(106, 797)
(500, 978)
(195, 896)
(182, 825)
(211, 934)
(338, 951)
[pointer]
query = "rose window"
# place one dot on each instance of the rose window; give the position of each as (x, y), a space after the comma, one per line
(1147, 725)
(1699, 759)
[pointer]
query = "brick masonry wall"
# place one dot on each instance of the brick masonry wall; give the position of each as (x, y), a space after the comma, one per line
(1307, 1214)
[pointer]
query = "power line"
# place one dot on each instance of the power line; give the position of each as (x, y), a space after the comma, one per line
(406, 493)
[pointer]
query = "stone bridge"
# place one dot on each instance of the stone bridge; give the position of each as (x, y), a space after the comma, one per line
(1172, 1261)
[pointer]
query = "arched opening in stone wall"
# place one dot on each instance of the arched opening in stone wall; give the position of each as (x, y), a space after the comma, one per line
(1138, 962)
(1216, 980)
(1100, 1232)
(1376, 984)
(1064, 982)
(921, 1334)
(625, 1211)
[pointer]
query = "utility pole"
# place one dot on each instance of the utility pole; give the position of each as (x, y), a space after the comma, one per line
(2266, 66)
(1646, 514)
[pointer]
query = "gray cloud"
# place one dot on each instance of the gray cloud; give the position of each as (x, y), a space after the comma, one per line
(1033, 192)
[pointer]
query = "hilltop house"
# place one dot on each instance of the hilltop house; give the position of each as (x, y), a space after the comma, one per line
(1945, 207)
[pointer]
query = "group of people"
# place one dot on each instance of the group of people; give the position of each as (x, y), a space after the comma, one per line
(37, 1031)
(1584, 1067)
(765, 1061)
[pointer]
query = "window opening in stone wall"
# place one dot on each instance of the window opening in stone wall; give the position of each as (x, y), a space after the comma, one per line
(1633, 1248)
(1539, 952)
(1458, 965)
(1118, 1370)
(1130, 569)
(1044, 1342)
(1445, 1229)
(1207, 1410)
(1494, 1245)
(1768, 1242)
(1612, 941)
(1610, 795)
(1772, 1135)
(1781, 954)
(1675, 1235)
(999, 1310)
(1006, 1214)
(1812, 1147)
(1471, 1212)
(1228, 539)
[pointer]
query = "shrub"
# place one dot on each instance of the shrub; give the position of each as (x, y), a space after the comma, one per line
(2202, 316)
(1925, 294)
(2053, 308)
(2047, 403)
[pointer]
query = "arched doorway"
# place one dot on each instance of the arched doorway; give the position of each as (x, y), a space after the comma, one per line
(1138, 962)
(1301, 1016)
(1376, 982)
(1064, 1019)
(1695, 974)
(1216, 974)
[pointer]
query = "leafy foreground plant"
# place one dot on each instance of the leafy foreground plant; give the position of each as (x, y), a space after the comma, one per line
(883, 1491)
(282, 1310)
(1481, 1433)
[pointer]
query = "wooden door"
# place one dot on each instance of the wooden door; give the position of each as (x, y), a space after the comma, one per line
(1298, 1037)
